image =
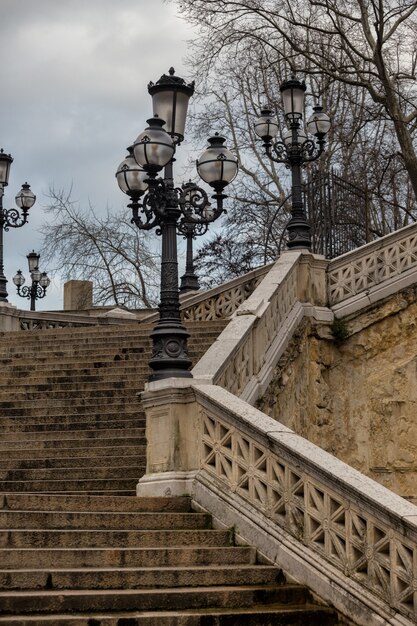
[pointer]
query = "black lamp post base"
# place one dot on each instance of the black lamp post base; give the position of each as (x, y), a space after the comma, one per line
(298, 234)
(169, 355)
(189, 282)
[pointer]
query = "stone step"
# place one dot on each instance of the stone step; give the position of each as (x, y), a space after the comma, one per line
(84, 355)
(96, 401)
(113, 538)
(98, 329)
(87, 449)
(81, 412)
(116, 485)
(86, 390)
(134, 328)
(19, 372)
(97, 376)
(139, 343)
(77, 463)
(26, 426)
(98, 332)
(263, 615)
(102, 472)
(92, 361)
(55, 376)
(100, 520)
(125, 557)
(44, 502)
(10, 351)
(229, 596)
(111, 341)
(110, 412)
(18, 438)
(138, 577)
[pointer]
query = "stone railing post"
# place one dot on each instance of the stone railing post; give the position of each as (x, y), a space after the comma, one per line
(311, 279)
(173, 436)
(9, 318)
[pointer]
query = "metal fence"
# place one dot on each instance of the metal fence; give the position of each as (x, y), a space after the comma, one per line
(338, 213)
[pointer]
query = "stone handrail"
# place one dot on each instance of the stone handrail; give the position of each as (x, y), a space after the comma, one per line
(385, 259)
(41, 320)
(323, 510)
(242, 357)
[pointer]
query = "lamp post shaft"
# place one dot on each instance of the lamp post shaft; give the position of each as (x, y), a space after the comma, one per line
(298, 228)
(189, 280)
(3, 279)
(33, 292)
(169, 354)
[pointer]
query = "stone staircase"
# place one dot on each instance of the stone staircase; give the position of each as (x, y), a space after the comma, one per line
(70, 417)
(77, 547)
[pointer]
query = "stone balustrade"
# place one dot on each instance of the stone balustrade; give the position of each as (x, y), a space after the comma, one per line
(242, 358)
(219, 302)
(373, 271)
(41, 320)
(366, 534)
(351, 540)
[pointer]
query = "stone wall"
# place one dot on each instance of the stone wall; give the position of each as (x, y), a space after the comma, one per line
(357, 397)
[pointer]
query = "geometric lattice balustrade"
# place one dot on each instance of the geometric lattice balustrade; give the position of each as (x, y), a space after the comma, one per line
(223, 304)
(250, 353)
(343, 531)
(360, 270)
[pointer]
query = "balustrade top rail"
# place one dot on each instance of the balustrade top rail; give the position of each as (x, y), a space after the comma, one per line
(41, 320)
(358, 271)
(240, 352)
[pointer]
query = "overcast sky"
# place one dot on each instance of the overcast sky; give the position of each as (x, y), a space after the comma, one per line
(74, 77)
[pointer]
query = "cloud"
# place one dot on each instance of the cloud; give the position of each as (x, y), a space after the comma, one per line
(74, 95)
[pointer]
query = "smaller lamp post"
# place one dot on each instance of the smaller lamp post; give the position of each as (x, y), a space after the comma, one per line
(294, 150)
(11, 218)
(193, 198)
(40, 281)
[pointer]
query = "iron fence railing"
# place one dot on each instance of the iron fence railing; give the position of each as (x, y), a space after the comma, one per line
(338, 213)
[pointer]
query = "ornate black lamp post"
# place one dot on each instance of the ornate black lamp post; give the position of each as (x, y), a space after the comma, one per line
(11, 218)
(40, 281)
(164, 205)
(295, 149)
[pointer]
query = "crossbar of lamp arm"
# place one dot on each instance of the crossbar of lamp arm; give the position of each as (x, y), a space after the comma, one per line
(33, 291)
(296, 152)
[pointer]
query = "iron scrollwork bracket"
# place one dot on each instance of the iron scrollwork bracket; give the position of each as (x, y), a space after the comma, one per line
(153, 205)
(34, 291)
(294, 153)
(310, 151)
(12, 218)
(197, 210)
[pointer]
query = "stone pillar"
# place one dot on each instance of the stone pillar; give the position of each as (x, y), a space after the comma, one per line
(172, 433)
(9, 317)
(311, 279)
(78, 295)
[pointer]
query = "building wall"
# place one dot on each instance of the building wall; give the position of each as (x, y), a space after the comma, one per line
(356, 398)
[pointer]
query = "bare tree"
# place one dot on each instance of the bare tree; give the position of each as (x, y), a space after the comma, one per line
(243, 52)
(109, 251)
(368, 44)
